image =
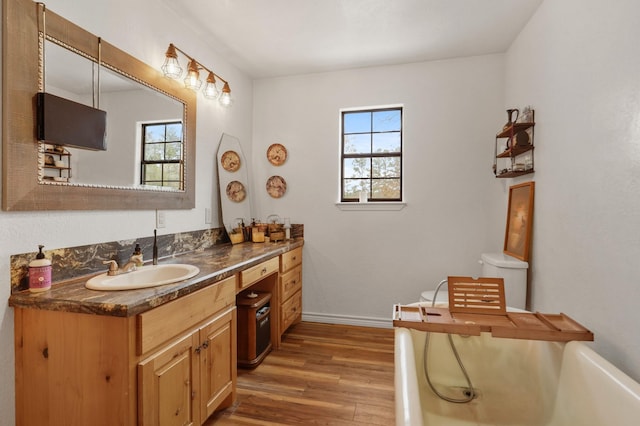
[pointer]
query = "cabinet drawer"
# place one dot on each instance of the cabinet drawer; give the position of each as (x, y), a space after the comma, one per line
(258, 272)
(291, 311)
(164, 322)
(290, 282)
(290, 259)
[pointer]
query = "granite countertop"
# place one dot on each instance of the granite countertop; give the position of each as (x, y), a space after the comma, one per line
(216, 264)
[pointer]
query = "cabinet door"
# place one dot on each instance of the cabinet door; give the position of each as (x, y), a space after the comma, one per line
(218, 364)
(167, 382)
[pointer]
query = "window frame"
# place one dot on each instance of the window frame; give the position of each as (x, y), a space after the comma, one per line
(144, 163)
(372, 155)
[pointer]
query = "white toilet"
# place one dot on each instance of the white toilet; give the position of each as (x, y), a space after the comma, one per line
(497, 265)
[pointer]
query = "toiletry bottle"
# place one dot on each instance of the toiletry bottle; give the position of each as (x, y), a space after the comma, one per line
(287, 228)
(137, 256)
(39, 273)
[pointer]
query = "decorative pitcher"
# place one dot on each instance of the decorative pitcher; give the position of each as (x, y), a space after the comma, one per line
(512, 120)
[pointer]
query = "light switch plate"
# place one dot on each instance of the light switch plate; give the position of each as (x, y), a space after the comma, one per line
(160, 219)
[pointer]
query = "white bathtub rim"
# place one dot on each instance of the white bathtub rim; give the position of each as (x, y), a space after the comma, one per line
(408, 407)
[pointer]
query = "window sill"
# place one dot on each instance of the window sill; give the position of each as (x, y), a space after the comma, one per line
(372, 206)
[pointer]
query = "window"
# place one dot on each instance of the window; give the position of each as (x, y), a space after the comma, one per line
(372, 154)
(162, 154)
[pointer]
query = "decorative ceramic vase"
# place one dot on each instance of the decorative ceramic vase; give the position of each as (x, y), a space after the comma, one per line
(512, 120)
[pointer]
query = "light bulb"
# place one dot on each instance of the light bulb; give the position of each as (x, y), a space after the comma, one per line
(192, 81)
(171, 67)
(210, 90)
(225, 98)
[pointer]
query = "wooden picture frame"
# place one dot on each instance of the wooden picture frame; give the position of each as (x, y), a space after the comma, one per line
(22, 77)
(517, 237)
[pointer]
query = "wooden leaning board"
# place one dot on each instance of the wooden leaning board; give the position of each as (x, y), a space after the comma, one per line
(477, 305)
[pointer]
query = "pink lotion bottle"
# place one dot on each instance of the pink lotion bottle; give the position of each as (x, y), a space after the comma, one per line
(39, 273)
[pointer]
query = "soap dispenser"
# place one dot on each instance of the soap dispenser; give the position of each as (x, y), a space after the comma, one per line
(137, 256)
(39, 273)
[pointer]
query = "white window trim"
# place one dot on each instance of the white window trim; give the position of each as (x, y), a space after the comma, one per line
(372, 206)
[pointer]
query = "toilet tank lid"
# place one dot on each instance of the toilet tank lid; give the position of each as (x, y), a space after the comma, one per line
(502, 260)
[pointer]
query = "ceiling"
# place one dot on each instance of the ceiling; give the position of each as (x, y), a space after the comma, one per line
(287, 37)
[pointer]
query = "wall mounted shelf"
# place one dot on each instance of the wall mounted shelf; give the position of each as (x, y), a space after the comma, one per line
(518, 139)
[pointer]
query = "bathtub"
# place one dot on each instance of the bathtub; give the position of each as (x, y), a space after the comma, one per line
(518, 382)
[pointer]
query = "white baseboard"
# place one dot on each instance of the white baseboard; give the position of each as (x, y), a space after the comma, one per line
(347, 320)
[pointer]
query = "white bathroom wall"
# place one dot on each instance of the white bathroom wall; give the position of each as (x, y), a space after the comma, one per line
(143, 28)
(358, 263)
(577, 63)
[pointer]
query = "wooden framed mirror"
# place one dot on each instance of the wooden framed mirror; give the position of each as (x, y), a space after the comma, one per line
(27, 29)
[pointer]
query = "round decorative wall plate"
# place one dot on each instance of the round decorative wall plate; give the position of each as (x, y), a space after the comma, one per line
(277, 154)
(230, 161)
(276, 186)
(236, 191)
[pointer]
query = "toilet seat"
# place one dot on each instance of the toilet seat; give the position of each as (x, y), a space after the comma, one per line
(427, 296)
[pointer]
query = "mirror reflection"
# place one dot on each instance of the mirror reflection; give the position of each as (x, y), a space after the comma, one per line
(144, 128)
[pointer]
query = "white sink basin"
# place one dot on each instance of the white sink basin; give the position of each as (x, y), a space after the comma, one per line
(143, 277)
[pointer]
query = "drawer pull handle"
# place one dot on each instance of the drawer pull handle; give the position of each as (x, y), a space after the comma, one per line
(264, 271)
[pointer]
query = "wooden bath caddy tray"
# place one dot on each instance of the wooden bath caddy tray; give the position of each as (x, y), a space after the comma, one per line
(478, 305)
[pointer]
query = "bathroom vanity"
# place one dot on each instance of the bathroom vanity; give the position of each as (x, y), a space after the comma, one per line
(150, 355)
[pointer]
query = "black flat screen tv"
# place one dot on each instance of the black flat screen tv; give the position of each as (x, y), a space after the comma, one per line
(69, 123)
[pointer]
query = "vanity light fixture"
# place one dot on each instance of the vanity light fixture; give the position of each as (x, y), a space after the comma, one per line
(171, 68)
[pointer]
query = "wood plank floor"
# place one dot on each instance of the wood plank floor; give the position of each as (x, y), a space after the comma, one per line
(323, 374)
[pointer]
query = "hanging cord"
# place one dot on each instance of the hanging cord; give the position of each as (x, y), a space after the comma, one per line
(42, 59)
(470, 392)
(96, 93)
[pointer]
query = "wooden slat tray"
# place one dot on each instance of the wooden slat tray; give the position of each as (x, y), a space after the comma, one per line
(530, 326)
(477, 295)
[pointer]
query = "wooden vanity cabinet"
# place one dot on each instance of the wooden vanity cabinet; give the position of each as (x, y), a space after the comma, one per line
(174, 364)
(281, 277)
(290, 289)
(74, 369)
(187, 379)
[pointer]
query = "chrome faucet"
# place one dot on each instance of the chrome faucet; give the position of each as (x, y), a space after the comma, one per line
(155, 246)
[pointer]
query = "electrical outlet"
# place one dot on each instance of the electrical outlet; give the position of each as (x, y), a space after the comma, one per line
(160, 219)
(207, 215)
